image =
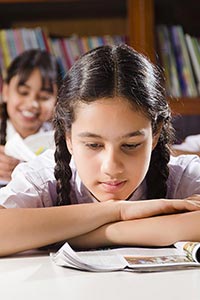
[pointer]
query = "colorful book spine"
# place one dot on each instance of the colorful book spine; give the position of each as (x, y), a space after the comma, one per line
(5, 48)
(195, 58)
(179, 61)
(168, 61)
(191, 86)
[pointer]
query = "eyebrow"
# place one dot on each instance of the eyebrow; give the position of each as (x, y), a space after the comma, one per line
(128, 135)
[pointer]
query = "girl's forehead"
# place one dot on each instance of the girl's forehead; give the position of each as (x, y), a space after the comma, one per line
(106, 114)
(114, 106)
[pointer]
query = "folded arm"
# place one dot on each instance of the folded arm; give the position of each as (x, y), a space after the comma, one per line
(27, 228)
(153, 231)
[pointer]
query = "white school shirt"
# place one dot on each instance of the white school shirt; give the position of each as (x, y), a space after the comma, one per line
(33, 183)
(11, 131)
(190, 144)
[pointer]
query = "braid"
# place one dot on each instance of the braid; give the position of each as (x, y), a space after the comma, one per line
(158, 172)
(62, 169)
(3, 123)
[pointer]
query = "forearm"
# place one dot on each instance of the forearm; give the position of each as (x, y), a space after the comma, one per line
(153, 231)
(23, 229)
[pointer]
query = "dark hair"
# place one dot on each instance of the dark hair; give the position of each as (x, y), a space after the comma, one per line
(23, 65)
(106, 72)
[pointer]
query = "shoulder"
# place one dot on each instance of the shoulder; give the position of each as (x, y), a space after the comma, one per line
(184, 163)
(184, 176)
(39, 169)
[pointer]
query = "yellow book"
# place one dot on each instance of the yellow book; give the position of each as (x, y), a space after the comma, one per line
(5, 48)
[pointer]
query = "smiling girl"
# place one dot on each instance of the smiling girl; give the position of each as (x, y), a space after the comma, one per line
(29, 97)
(111, 180)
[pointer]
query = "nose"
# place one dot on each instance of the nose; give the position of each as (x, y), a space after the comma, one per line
(31, 102)
(112, 163)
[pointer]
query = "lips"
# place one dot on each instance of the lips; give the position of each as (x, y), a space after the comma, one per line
(112, 186)
(28, 114)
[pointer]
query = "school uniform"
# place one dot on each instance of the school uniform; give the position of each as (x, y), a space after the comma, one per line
(10, 130)
(11, 133)
(33, 183)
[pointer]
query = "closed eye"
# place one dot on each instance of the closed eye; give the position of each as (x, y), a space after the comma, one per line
(130, 146)
(23, 93)
(94, 146)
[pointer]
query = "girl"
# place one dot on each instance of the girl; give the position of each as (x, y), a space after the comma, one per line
(29, 96)
(112, 135)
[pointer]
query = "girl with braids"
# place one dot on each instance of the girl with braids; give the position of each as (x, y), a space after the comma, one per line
(29, 97)
(111, 180)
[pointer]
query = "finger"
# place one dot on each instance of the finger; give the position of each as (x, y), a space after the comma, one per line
(177, 206)
(2, 149)
(194, 197)
(196, 204)
(5, 176)
(149, 208)
(10, 161)
(7, 167)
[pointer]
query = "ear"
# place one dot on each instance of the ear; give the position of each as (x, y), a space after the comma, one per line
(156, 136)
(5, 92)
(69, 143)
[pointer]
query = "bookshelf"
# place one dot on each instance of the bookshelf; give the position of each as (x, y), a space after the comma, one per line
(135, 18)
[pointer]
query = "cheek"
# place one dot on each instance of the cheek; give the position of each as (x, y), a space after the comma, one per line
(47, 110)
(139, 164)
(12, 105)
(86, 165)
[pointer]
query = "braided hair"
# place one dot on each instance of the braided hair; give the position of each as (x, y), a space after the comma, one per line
(22, 66)
(108, 72)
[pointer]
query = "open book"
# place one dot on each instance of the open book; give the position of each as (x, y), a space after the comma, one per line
(182, 255)
(28, 148)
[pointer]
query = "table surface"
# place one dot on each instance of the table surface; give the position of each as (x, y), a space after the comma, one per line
(34, 276)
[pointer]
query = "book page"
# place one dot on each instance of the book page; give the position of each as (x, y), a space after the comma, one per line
(127, 258)
(87, 260)
(28, 148)
(134, 257)
(191, 249)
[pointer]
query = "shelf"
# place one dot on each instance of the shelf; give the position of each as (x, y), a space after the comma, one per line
(135, 18)
(185, 106)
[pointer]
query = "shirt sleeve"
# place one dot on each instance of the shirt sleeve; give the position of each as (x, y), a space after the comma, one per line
(32, 185)
(185, 176)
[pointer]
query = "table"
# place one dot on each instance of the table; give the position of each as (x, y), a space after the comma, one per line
(34, 276)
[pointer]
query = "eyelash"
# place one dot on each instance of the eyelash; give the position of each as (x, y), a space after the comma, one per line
(131, 146)
(94, 146)
(127, 147)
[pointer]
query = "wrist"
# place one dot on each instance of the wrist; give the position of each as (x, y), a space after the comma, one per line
(113, 209)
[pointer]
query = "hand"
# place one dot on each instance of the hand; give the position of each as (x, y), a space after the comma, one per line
(7, 165)
(149, 208)
(195, 197)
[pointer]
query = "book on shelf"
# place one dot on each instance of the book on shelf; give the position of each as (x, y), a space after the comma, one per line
(182, 255)
(189, 75)
(180, 62)
(167, 56)
(179, 55)
(66, 49)
(194, 52)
